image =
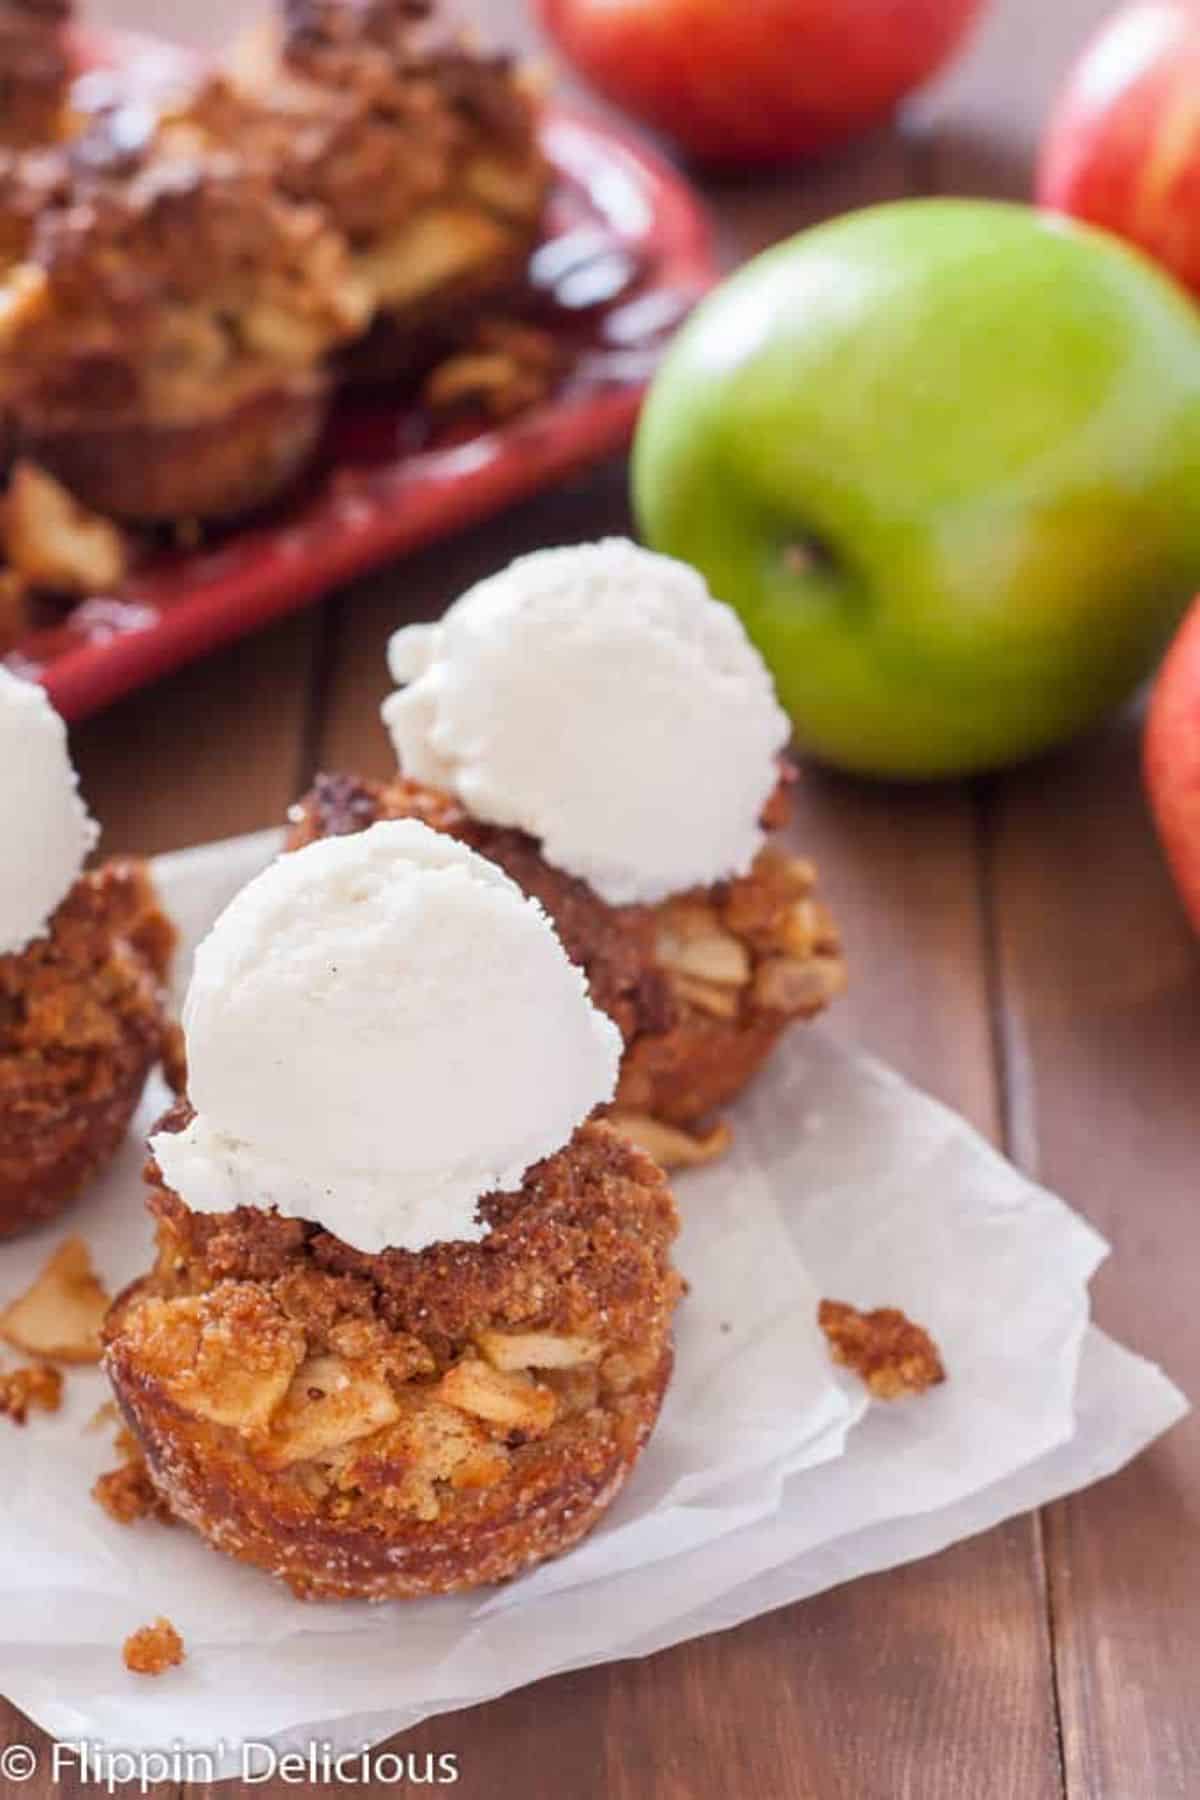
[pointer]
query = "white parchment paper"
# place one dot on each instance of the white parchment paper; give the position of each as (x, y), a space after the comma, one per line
(768, 1478)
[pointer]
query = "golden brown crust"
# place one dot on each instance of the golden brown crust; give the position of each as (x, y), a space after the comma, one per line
(203, 468)
(407, 1423)
(82, 1022)
(691, 1042)
(890, 1354)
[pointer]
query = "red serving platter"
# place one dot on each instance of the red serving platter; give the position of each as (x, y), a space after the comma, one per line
(627, 252)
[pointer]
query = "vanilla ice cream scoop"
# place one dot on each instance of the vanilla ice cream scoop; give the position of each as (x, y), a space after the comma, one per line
(599, 698)
(381, 1029)
(45, 829)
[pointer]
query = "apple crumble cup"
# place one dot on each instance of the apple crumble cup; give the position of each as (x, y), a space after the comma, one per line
(418, 146)
(83, 1020)
(163, 343)
(404, 1423)
(409, 1324)
(701, 985)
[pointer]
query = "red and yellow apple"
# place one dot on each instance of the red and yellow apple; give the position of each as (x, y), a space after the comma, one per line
(1172, 760)
(1123, 147)
(754, 81)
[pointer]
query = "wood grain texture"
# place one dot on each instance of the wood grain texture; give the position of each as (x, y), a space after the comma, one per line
(214, 750)
(1098, 991)
(1101, 990)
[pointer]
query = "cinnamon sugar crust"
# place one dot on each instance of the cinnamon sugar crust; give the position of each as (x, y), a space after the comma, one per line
(411, 1422)
(82, 1022)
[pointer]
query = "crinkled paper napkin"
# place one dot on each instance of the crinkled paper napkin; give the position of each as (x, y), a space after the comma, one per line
(769, 1477)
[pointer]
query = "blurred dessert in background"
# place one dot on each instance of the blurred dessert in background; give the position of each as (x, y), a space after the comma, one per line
(163, 345)
(83, 962)
(592, 720)
(409, 1325)
(420, 147)
(35, 70)
(192, 259)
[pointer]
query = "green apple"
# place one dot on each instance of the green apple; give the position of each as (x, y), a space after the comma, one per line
(944, 459)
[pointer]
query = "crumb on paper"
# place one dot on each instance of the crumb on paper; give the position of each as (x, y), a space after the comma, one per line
(890, 1354)
(37, 1385)
(153, 1649)
(59, 1317)
(127, 1493)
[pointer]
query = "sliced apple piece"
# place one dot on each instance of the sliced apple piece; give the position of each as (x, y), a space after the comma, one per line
(510, 1350)
(669, 1145)
(502, 1397)
(329, 1404)
(60, 1316)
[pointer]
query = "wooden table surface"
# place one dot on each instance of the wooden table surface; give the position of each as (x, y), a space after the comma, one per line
(1018, 951)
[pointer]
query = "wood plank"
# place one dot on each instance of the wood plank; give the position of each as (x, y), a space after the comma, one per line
(214, 750)
(43, 1783)
(1099, 986)
(1102, 1029)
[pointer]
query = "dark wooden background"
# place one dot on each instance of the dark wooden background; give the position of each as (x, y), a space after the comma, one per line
(1017, 950)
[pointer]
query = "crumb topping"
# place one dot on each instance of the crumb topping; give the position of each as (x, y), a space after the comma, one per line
(884, 1348)
(83, 1019)
(35, 1387)
(153, 1649)
(80, 1005)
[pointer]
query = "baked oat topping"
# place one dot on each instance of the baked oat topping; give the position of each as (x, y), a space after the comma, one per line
(153, 1649)
(36, 1387)
(892, 1355)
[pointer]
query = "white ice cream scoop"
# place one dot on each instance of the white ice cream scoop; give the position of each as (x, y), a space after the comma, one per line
(45, 829)
(381, 1029)
(599, 698)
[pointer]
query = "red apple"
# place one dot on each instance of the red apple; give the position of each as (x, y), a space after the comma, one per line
(1123, 148)
(1172, 759)
(757, 81)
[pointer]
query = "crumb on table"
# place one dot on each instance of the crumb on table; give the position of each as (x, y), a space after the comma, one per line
(153, 1649)
(36, 1385)
(884, 1348)
(127, 1493)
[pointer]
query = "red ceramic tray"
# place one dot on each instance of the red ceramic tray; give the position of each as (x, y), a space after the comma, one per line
(627, 252)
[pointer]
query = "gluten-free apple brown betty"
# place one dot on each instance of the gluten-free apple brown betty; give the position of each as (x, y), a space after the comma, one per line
(409, 1422)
